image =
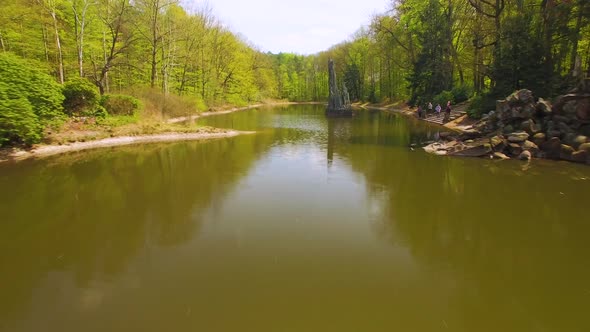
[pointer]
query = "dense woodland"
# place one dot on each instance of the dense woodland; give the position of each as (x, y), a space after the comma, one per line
(419, 50)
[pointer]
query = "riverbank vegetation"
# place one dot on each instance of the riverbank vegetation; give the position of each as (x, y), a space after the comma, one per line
(72, 61)
(456, 49)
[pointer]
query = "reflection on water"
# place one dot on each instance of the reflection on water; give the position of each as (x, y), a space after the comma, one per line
(312, 224)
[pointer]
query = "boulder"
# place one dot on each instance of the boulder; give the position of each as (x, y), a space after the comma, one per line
(583, 109)
(579, 156)
(530, 126)
(553, 133)
(543, 107)
(523, 96)
(475, 151)
(507, 129)
(517, 137)
(579, 140)
(500, 155)
(522, 112)
(566, 152)
(584, 147)
(498, 143)
(502, 107)
(584, 130)
(560, 118)
(552, 148)
(515, 149)
(539, 138)
(570, 107)
(525, 155)
(564, 128)
(530, 146)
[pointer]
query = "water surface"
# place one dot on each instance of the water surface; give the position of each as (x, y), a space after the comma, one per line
(312, 224)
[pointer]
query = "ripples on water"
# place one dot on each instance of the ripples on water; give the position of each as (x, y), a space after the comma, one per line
(312, 224)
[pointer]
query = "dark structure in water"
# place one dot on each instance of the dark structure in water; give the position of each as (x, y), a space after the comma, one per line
(338, 104)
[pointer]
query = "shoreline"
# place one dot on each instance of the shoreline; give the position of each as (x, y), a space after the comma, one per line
(237, 109)
(50, 150)
(41, 151)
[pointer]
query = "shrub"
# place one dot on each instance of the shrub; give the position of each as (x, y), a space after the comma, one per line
(461, 93)
(81, 97)
(443, 97)
(481, 104)
(120, 104)
(29, 100)
(18, 122)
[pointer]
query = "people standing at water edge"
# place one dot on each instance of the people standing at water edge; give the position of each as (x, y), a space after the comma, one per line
(438, 109)
(419, 111)
(447, 112)
(429, 107)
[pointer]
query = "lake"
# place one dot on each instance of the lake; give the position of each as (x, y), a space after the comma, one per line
(311, 224)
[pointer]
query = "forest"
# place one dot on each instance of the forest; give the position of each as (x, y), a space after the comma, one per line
(66, 57)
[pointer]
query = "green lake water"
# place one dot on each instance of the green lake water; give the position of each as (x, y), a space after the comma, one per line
(311, 224)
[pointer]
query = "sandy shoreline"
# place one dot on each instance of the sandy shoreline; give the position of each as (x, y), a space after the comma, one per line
(50, 150)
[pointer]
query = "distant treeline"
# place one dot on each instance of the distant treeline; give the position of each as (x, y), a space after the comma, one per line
(441, 49)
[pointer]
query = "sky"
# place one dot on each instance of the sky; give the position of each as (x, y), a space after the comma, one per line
(298, 26)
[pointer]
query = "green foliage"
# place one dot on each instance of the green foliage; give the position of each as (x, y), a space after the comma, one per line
(432, 71)
(443, 97)
(29, 100)
(461, 93)
(81, 97)
(26, 79)
(18, 122)
(120, 104)
(481, 104)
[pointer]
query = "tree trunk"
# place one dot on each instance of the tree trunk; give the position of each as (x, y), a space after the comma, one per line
(58, 46)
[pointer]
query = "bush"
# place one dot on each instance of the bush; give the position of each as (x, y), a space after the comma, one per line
(81, 97)
(461, 93)
(120, 104)
(29, 100)
(481, 104)
(443, 97)
(18, 122)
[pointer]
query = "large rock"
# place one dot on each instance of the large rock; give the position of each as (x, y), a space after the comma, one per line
(530, 146)
(530, 126)
(584, 147)
(566, 152)
(515, 149)
(475, 151)
(552, 148)
(579, 156)
(561, 118)
(583, 109)
(522, 112)
(539, 138)
(498, 143)
(522, 97)
(544, 107)
(564, 128)
(518, 137)
(500, 155)
(579, 140)
(525, 155)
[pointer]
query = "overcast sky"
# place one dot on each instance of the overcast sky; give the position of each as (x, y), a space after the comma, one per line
(300, 26)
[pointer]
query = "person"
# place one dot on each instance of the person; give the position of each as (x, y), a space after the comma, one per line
(438, 109)
(447, 112)
(419, 111)
(429, 107)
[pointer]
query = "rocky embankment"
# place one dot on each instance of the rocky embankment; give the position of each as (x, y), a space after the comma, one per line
(524, 128)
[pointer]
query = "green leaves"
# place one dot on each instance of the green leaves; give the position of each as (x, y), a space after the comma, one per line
(29, 100)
